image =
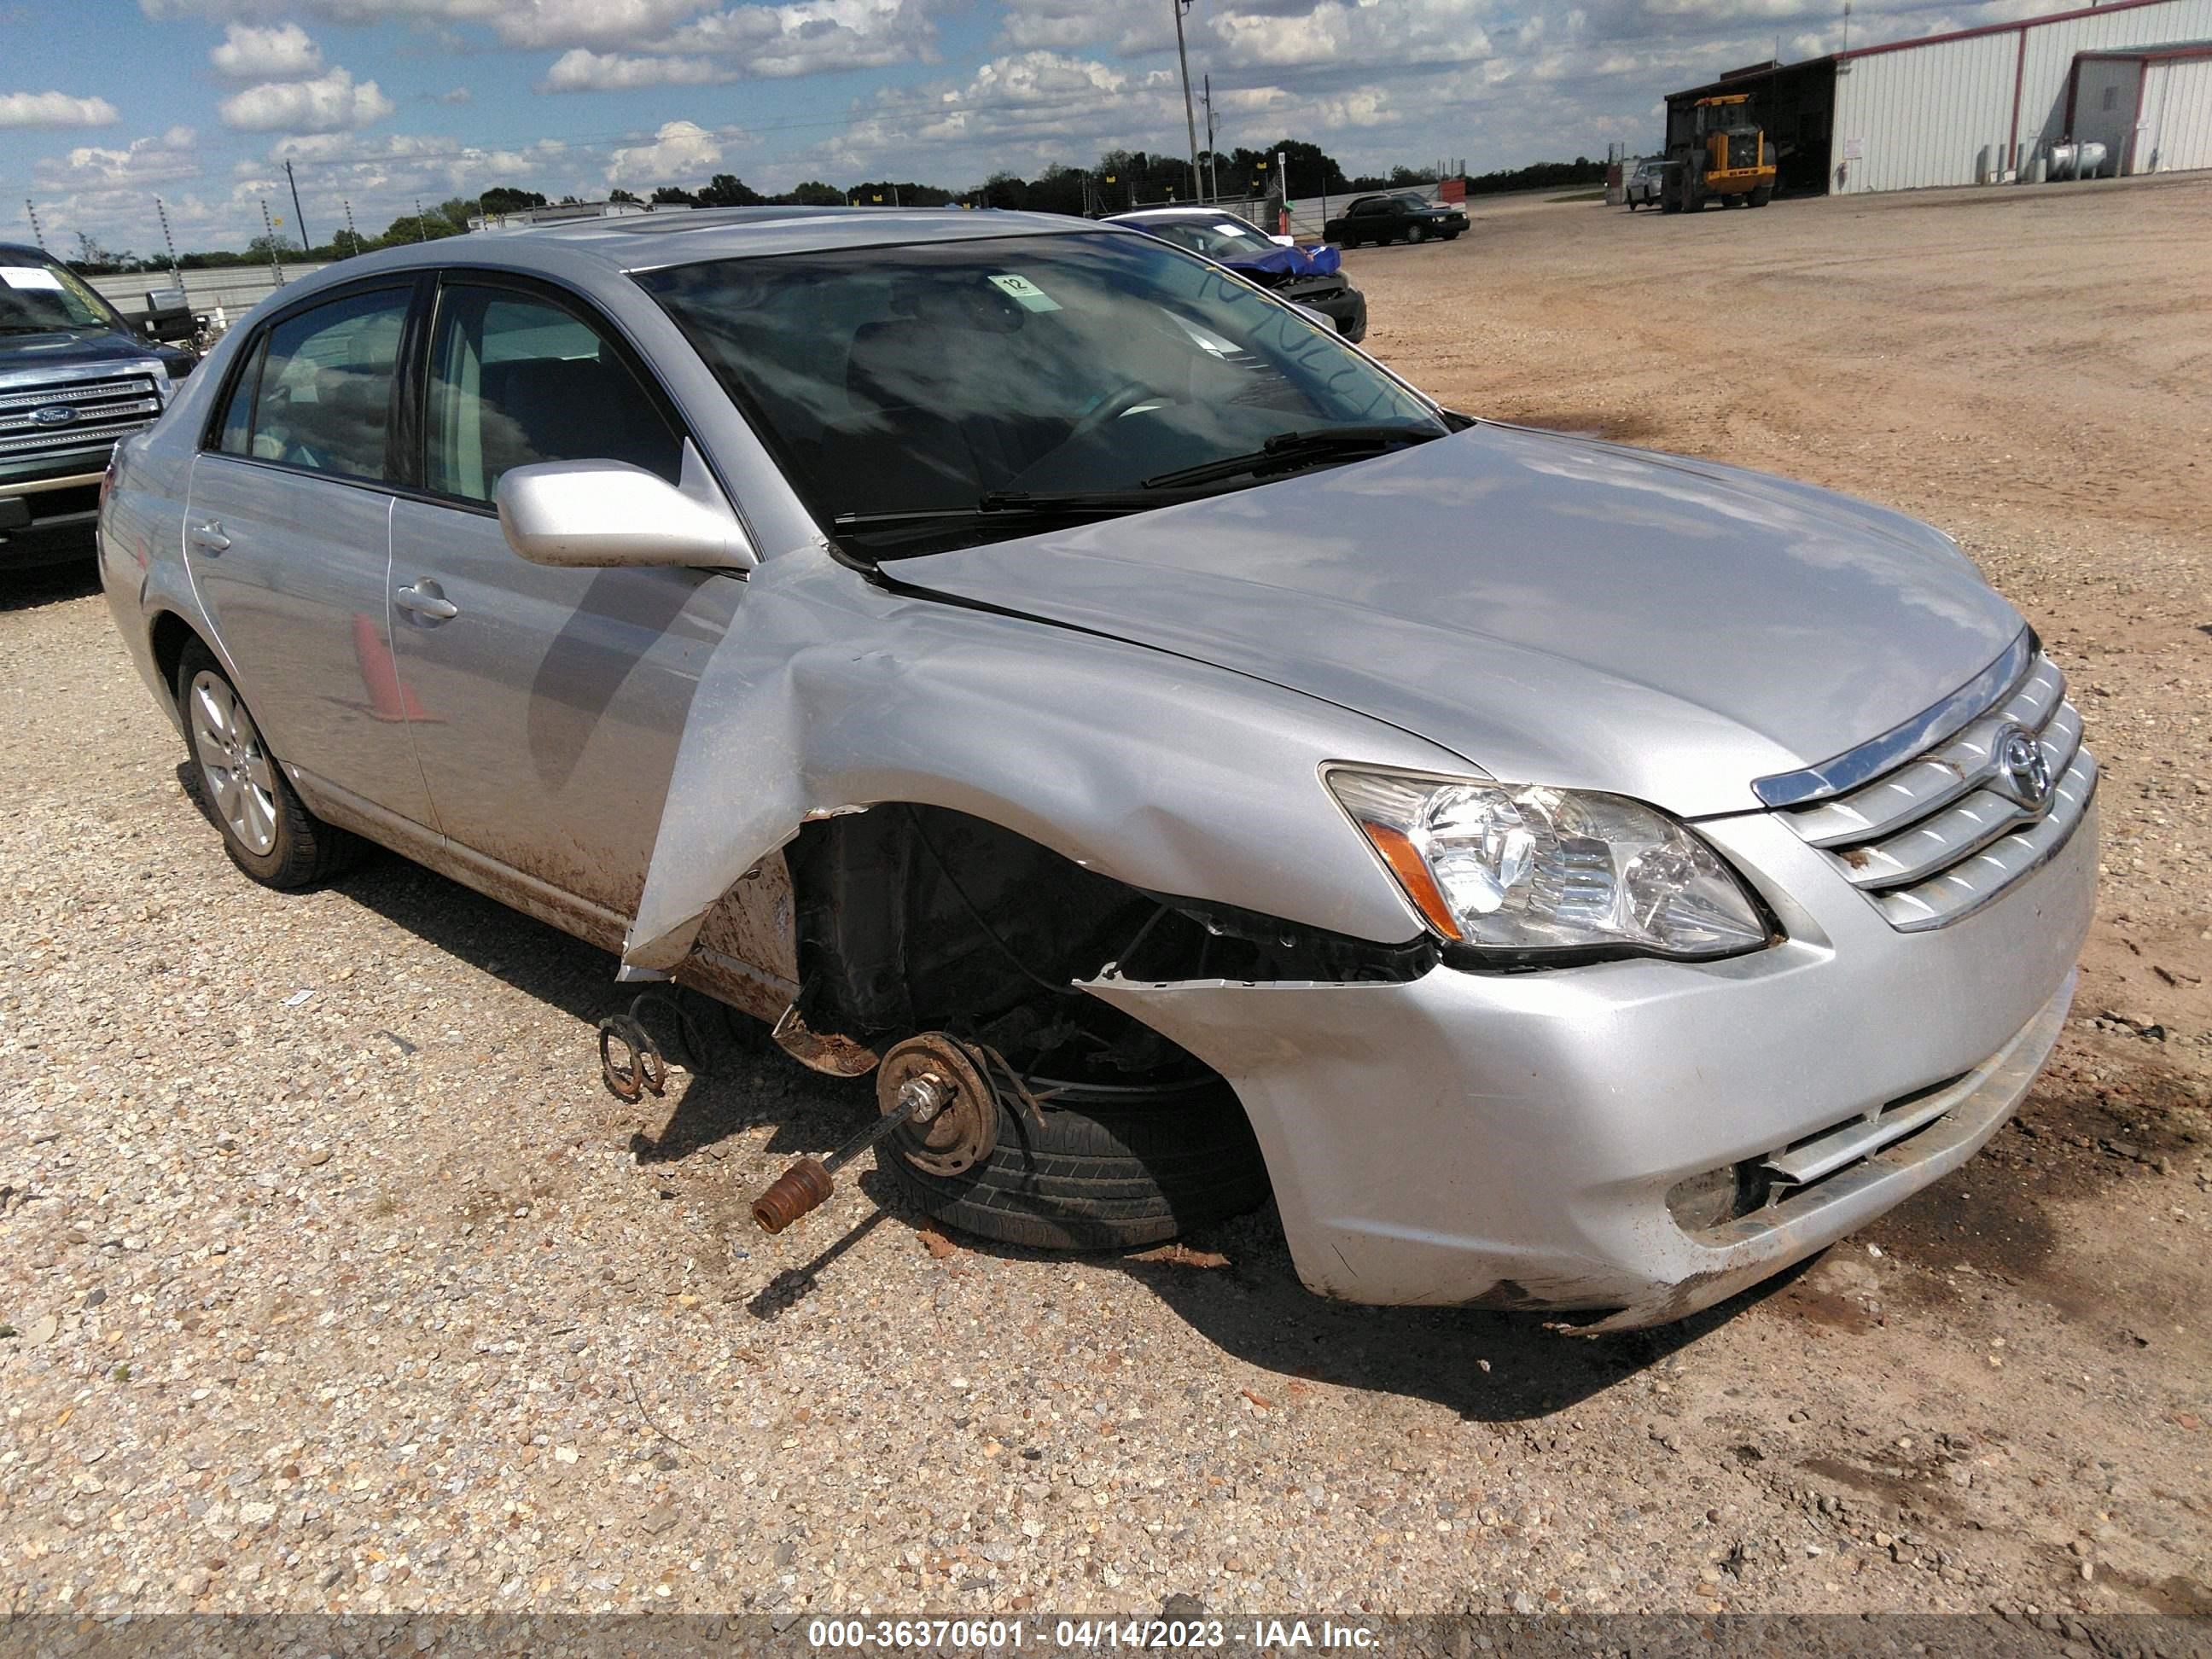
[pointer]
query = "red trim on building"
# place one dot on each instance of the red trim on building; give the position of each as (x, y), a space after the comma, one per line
(2148, 54)
(2023, 25)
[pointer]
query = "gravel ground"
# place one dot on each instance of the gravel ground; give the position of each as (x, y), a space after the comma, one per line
(332, 1279)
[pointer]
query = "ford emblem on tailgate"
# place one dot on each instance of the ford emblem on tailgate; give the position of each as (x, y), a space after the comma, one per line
(52, 415)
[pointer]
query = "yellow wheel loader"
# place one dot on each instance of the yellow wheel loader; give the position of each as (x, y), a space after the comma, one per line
(1726, 156)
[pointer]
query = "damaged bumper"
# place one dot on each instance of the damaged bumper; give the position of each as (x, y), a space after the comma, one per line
(1641, 1138)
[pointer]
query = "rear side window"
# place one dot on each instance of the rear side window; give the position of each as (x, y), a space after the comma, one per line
(318, 394)
(516, 379)
(235, 435)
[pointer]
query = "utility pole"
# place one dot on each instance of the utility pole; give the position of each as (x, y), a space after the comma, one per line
(421, 234)
(170, 242)
(269, 229)
(38, 232)
(298, 217)
(353, 236)
(1212, 160)
(1189, 114)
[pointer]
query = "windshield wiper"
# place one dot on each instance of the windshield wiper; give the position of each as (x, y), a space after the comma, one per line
(1013, 504)
(1287, 450)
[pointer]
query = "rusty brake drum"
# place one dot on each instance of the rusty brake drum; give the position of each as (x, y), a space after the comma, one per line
(959, 1124)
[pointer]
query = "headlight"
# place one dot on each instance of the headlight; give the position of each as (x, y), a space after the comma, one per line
(1519, 868)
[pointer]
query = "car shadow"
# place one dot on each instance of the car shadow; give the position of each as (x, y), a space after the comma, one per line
(1233, 1283)
(726, 1076)
(48, 584)
(1484, 1366)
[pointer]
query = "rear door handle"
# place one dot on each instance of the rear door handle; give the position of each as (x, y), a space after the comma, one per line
(209, 536)
(424, 600)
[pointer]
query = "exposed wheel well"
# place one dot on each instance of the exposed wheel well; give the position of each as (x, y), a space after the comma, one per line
(919, 918)
(171, 635)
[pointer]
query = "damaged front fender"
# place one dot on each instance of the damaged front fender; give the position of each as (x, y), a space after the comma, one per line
(830, 692)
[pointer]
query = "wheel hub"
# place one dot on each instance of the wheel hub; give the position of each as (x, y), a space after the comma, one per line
(962, 1127)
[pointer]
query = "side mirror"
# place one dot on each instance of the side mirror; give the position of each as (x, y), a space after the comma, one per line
(608, 515)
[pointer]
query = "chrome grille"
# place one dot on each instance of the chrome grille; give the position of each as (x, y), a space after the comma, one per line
(1943, 833)
(100, 412)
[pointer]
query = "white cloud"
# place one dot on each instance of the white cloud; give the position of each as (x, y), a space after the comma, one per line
(455, 95)
(1345, 34)
(680, 150)
(53, 109)
(144, 162)
(580, 69)
(283, 53)
(797, 37)
(330, 103)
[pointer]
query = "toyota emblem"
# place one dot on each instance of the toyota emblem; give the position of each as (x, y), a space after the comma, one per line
(2026, 773)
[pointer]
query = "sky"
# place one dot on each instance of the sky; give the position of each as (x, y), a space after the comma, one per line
(107, 104)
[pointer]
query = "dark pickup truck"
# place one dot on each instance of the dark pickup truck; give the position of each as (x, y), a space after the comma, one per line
(75, 376)
(1404, 217)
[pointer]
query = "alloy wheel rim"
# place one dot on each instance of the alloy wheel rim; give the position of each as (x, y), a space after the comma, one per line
(233, 762)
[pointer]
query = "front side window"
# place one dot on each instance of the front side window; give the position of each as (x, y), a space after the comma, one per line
(516, 379)
(317, 393)
(997, 377)
(1374, 204)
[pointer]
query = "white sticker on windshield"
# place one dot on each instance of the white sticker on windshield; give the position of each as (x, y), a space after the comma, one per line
(1231, 230)
(1026, 293)
(29, 276)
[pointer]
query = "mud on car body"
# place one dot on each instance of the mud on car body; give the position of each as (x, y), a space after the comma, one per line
(1178, 759)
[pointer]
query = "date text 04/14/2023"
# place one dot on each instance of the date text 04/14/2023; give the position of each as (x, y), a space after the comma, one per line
(1281, 1635)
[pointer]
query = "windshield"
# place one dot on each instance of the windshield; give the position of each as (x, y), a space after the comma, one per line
(936, 378)
(1226, 239)
(38, 298)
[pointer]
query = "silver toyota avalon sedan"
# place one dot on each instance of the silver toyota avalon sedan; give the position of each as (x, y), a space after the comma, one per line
(1174, 757)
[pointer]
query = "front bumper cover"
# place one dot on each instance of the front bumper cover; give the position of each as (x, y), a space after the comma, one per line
(1509, 1140)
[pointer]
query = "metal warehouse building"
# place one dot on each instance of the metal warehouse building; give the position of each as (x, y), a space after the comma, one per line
(1988, 104)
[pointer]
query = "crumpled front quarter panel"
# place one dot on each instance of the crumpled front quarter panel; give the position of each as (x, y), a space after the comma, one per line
(829, 693)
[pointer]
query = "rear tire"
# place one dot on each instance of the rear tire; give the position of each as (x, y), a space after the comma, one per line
(1101, 1173)
(241, 786)
(1762, 196)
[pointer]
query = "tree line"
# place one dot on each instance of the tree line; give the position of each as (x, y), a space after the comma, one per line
(1122, 179)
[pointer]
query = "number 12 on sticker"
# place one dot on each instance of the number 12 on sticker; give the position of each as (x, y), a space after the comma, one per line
(1025, 293)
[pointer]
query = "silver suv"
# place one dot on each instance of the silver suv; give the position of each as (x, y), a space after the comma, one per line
(1179, 759)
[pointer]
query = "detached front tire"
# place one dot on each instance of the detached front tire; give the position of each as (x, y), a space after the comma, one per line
(1108, 1168)
(268, 834)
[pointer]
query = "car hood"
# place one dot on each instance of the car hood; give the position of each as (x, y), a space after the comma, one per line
(1553, 609)
(32, 351)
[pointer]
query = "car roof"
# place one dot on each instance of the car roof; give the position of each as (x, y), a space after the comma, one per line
(1192, 213)
(648, 242)
(21, 254)
(592, 252)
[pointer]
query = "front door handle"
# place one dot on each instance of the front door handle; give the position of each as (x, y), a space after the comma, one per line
(426, 602)
(210, 537)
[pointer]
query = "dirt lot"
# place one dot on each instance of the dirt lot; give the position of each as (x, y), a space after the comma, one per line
(333, 1277)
